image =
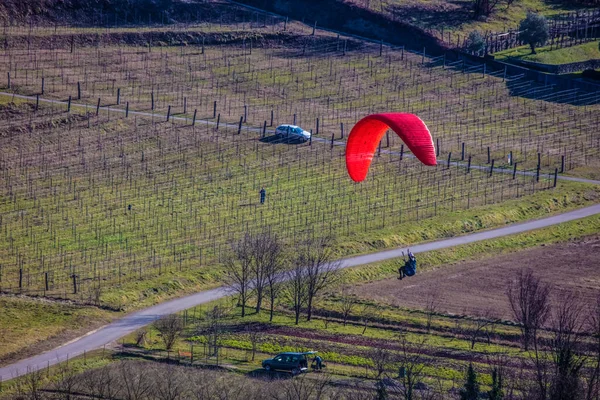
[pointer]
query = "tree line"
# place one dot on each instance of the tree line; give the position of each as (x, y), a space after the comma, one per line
(259, 267)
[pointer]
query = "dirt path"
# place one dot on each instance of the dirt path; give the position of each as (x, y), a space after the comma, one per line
(476, 286)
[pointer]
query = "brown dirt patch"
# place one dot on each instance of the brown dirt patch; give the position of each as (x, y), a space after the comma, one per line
(473, 287)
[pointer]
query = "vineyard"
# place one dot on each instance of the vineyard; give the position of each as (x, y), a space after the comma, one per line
(130, 160)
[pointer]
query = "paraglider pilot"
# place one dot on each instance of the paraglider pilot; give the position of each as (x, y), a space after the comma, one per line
(410, 266)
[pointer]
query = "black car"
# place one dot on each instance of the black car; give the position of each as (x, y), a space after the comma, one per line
(293, 362)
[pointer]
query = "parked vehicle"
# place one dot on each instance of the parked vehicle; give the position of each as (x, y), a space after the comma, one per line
(292, 132)
(293, 362)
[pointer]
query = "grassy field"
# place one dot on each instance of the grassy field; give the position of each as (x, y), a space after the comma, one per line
(38, 325)
(545, 55)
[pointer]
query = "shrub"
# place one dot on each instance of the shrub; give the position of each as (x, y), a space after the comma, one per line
(475, 42)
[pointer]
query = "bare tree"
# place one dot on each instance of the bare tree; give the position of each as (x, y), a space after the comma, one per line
(498, 363)
(381, 359)
(136, 384)
(33, 383)
(169, 383)
(366, 313)
(100, 383)
(593, 377)
(268, 270)
(301, 388)
(432, 303)
(317, 258)
(529, 301)
(411, 363)
(347, 305)
(213, 327)
(297, 289)
(567, 324)
(484, 7)
(256, 336)
(67, 381)
(140, 337)
(267, 257)
(480, 326)
(170, 327)
(238, 270)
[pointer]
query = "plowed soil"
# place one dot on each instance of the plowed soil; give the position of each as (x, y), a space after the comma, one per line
(475, 287)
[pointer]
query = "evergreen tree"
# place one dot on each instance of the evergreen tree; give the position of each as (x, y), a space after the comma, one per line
(471, 388)
(534, 30)
(382, 393)
(496, 393)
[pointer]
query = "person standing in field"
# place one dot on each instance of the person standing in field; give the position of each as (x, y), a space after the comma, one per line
(263, 195)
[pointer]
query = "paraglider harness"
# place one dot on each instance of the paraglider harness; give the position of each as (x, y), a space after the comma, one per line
(410, 266)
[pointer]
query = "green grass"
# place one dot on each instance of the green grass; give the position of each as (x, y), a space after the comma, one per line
(26, 322)
(581, 52)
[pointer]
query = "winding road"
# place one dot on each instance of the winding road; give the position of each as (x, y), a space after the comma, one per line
(117, 329)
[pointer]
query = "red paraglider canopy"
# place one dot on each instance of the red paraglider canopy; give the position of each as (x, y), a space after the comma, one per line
(367, 133)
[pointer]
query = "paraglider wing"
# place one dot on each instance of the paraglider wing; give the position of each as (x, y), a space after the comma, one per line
(367, 133)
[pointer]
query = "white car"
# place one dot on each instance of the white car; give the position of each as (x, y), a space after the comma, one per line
(292, 132)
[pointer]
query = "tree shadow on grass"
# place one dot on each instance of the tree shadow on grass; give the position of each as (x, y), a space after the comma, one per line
(529, 89)
(262, 374)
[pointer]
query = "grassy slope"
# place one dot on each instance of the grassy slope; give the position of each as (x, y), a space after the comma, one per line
(26, 323)
(582, 52)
